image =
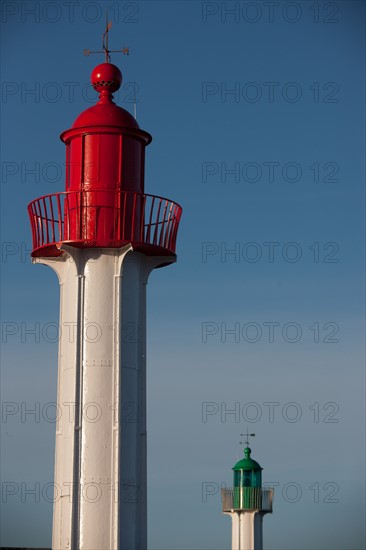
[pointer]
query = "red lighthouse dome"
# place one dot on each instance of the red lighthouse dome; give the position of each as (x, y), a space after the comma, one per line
(106, 79)
(104, 204)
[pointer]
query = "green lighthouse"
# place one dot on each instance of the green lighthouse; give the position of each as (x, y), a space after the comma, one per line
(247, 502)
(247, 478)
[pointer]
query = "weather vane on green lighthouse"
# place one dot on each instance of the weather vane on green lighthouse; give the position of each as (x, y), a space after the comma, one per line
(247, 435)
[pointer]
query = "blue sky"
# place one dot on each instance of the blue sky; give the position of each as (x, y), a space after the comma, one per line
(257, 116)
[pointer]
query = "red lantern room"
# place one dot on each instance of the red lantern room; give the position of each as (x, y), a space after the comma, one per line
(104, 204)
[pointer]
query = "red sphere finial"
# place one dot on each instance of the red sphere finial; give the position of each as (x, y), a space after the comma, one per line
(106, 78)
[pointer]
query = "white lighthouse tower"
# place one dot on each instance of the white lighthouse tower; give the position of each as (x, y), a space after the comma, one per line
(247, 502)
(103, 236)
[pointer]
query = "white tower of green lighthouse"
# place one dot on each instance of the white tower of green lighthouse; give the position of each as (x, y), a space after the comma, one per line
(247, 502)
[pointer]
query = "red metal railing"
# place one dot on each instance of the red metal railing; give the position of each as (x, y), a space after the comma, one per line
(104, 218)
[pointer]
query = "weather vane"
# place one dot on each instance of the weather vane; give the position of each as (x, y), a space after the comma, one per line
(247, 436)
(105, 49)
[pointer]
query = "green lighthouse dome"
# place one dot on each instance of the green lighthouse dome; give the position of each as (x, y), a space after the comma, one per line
(247, 472)
(247, 463)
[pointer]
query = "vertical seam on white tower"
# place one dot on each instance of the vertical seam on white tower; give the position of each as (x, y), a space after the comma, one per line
(59, 421)
(78, 413)
(116, 420)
